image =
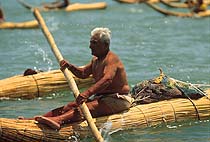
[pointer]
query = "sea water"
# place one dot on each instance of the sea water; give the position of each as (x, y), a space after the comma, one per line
(144, 40)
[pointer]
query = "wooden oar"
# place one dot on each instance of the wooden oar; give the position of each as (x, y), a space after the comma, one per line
(26, 5)
(68, 76)
(31, 7)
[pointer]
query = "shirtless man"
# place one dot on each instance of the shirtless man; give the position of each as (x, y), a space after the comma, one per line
(110, 93)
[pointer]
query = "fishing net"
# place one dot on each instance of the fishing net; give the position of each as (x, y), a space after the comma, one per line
(163, 87)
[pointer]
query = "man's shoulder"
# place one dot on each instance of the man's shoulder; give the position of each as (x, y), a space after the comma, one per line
(114, 56)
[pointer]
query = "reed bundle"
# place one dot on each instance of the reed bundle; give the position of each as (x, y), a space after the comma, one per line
(20, 25)
(142, 1)
(86, 6)
(141, 116)
(37, 85)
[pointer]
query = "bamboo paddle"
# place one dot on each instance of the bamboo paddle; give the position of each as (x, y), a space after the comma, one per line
(68, 76)
(26, 5)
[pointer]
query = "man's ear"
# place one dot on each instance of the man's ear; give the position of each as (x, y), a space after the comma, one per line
(107, 45)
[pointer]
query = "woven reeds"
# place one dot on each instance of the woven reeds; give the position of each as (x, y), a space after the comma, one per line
(37, 85)
(141, 116)
(142, 1)
(178, 14)
(20, 25)
(86, 6)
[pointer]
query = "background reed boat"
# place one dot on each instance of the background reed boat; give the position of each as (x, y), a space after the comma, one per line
(19, 25)
(71, 7)
(178, 14)
(140, 116)
(141, 1)
(168, 2)
(37, 85)
(83, 6)
(181, 4)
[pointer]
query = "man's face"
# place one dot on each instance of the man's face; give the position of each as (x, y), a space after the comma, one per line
(96, 46)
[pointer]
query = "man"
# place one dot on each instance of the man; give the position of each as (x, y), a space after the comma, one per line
(110, 91)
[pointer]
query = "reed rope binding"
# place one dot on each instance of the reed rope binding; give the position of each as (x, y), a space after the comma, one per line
(163, 115)
(144, 116)
(37, 86)
(175, 118)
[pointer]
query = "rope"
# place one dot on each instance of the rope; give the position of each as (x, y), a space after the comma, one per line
(37, 86)
(202, 85)
(192, 85)
(197, 113)
(163, 118)
(144, 116)
(175, 118)
(199, 90)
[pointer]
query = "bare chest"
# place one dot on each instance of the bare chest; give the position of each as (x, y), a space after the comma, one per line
(98, 70)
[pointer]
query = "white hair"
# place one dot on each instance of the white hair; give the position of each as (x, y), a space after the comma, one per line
(104, 34)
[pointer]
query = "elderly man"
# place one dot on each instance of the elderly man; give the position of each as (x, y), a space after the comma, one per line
(109, 94)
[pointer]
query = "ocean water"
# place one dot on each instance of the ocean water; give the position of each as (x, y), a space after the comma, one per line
(144, 40)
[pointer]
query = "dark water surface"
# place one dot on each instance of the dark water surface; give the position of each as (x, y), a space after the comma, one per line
(144, 39)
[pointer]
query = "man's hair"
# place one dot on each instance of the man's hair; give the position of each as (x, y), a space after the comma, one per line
(104, 34)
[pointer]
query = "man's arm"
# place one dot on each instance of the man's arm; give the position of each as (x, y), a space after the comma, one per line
(109, 73)
(80, 72)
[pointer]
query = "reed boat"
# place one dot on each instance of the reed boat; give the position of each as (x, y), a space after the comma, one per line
(37, 85)
(141, 116)
(71, 7)
(168, 2)
(141, 1)
(180, 4)
(135, 1)
(83, 6)
(175, 4)
(19, 25)
(178, 14)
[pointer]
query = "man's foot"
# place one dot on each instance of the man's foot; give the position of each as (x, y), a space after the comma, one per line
(44, 120)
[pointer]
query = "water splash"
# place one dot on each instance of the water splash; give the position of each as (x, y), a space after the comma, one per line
(45, 59)
(136, 10)
(106, 131)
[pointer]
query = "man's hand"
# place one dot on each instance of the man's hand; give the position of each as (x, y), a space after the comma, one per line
(81, 98)
(64, 64)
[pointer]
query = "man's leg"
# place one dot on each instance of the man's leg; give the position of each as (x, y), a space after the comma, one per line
(61, 110)
(55, 112)
(55, 122)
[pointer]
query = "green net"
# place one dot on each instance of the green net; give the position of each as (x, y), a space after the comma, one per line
(163, 87)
